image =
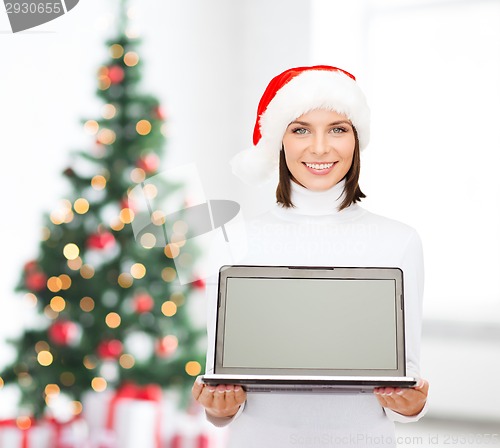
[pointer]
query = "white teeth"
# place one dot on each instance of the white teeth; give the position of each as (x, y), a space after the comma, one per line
(319, 166)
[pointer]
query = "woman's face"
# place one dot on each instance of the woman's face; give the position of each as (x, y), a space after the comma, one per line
(319, 148)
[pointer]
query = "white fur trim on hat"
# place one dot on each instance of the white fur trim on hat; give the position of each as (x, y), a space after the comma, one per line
(313, 89)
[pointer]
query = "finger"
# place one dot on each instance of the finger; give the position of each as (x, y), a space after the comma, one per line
(206, 397)
(418, 392)
(422, 386)
(197, 388)
(219, 399)
(381, 400)
(240, 395)
(230, 398)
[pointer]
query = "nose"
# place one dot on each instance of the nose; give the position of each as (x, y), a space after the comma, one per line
(320, 145)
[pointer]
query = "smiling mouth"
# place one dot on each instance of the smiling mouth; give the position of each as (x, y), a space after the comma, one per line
(319, 166)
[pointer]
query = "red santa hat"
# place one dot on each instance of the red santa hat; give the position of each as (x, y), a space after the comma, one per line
(289, 95)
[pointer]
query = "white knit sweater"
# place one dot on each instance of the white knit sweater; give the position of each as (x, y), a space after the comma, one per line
(315, 233)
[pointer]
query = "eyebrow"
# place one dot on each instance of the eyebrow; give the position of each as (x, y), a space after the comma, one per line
(334, 123)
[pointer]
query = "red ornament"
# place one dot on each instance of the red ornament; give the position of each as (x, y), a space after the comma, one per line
(31, 266)
(149, 163)
(101, 240)
(159, 113)
(110, 349)
(64, 332)
(166, 346)
(116, 74)
(143, 303)
(35, 281)
(199, 283)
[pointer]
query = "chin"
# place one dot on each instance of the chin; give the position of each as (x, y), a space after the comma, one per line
(319, 186)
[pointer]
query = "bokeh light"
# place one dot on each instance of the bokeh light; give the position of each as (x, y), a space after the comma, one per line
(143, 127)
(108, 111)
(54, 284)
(57, 303)
(23, 423)
(138, 270)
(113, 320)
(75, 264)
(50, 313)
(117, 225)
(98, 182)
(169, 308)
(116, 51)
(91, 127)
(87, 304)
(148, 240)
(131, 58)
(52, 389)
(90, 362)
(81, 206)
(126, 215)
(172, 250)
(77, 407)
(106, 136)
(168, 274)
(65, 281)
(31, 299)
(137, 175)
(71, 251)
(127, 361)
(87, 271)
(150, 191)
(158, 218)
(99, 384)
(45, 358)
(193, 368)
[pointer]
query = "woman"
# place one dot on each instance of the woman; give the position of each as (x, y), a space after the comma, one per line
(312, 123)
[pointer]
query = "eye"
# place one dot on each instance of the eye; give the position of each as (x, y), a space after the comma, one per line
(300, 131)
(338, 130)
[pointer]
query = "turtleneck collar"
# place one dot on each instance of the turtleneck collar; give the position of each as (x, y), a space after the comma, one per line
(316, 203)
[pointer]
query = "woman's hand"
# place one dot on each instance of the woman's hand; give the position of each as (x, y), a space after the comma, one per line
(407, 402)
(223, 400)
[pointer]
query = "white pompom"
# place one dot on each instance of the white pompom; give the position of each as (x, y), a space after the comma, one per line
(253, 166)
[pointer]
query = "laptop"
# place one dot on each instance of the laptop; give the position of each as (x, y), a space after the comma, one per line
(310, 329)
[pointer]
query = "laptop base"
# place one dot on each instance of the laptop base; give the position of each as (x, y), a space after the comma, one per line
(309, 384)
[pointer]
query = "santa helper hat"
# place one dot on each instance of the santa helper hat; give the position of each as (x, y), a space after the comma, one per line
(290, 95)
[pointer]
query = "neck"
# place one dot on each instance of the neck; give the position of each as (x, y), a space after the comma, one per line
(316, 203)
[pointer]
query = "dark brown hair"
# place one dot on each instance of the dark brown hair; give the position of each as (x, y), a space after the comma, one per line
(351, 191)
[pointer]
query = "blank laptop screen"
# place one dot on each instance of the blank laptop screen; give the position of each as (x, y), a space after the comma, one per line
(310, 323)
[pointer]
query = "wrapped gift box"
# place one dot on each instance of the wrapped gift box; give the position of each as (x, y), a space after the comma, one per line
(127, 418)
(37, 436)
(194, 431)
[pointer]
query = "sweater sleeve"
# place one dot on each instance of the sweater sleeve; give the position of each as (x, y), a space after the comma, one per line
(413, 280)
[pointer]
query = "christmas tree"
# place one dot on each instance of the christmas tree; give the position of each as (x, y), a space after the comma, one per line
(109, 308)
